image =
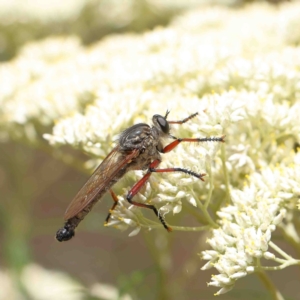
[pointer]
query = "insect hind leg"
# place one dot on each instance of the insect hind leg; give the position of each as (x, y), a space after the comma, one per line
(129, 197)
(116, 200)
(136, 188)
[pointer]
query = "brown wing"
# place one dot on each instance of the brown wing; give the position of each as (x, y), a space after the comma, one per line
(99, 180)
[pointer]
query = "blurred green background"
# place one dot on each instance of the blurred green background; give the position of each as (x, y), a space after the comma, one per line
(36, 187)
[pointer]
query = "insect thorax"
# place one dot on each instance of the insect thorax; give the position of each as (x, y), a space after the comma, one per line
(145, 139)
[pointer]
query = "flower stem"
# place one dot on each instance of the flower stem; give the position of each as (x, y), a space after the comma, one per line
(182, 228)
(280, 251)
(226, 177)
(211, 187)
(205, 212)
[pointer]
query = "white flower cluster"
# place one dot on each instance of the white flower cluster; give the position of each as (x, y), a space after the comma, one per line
(175, 63)
(241, 78)
(47, 12)
(247, 224)
(22, 22)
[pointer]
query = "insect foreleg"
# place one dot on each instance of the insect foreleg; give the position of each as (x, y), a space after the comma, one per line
(184, 120)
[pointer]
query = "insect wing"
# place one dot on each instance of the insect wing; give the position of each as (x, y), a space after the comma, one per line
(99, 180)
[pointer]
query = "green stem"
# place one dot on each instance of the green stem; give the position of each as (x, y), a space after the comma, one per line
(190, 209)
(280, 251)
(206, 214)
(211, 187)
(178, 228)
(182, 228)
(286, 264)
(226, 176)
(292, 239)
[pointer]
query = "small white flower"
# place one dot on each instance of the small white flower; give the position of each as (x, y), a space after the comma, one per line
(269, 255)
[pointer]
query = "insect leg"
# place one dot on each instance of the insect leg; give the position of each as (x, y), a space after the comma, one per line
(184, 120)
(115, 198)
(186, 171)
(136, 188)
(177, 141)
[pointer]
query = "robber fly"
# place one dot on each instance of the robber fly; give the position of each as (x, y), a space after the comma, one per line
(138, 148)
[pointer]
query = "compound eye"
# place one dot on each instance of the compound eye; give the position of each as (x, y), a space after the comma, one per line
(163, 123)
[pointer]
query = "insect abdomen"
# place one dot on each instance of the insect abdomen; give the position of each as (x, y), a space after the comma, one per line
(68, 231)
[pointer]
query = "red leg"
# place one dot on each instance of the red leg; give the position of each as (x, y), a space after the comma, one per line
(172, 145)
(136, 188)
(152, 168)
